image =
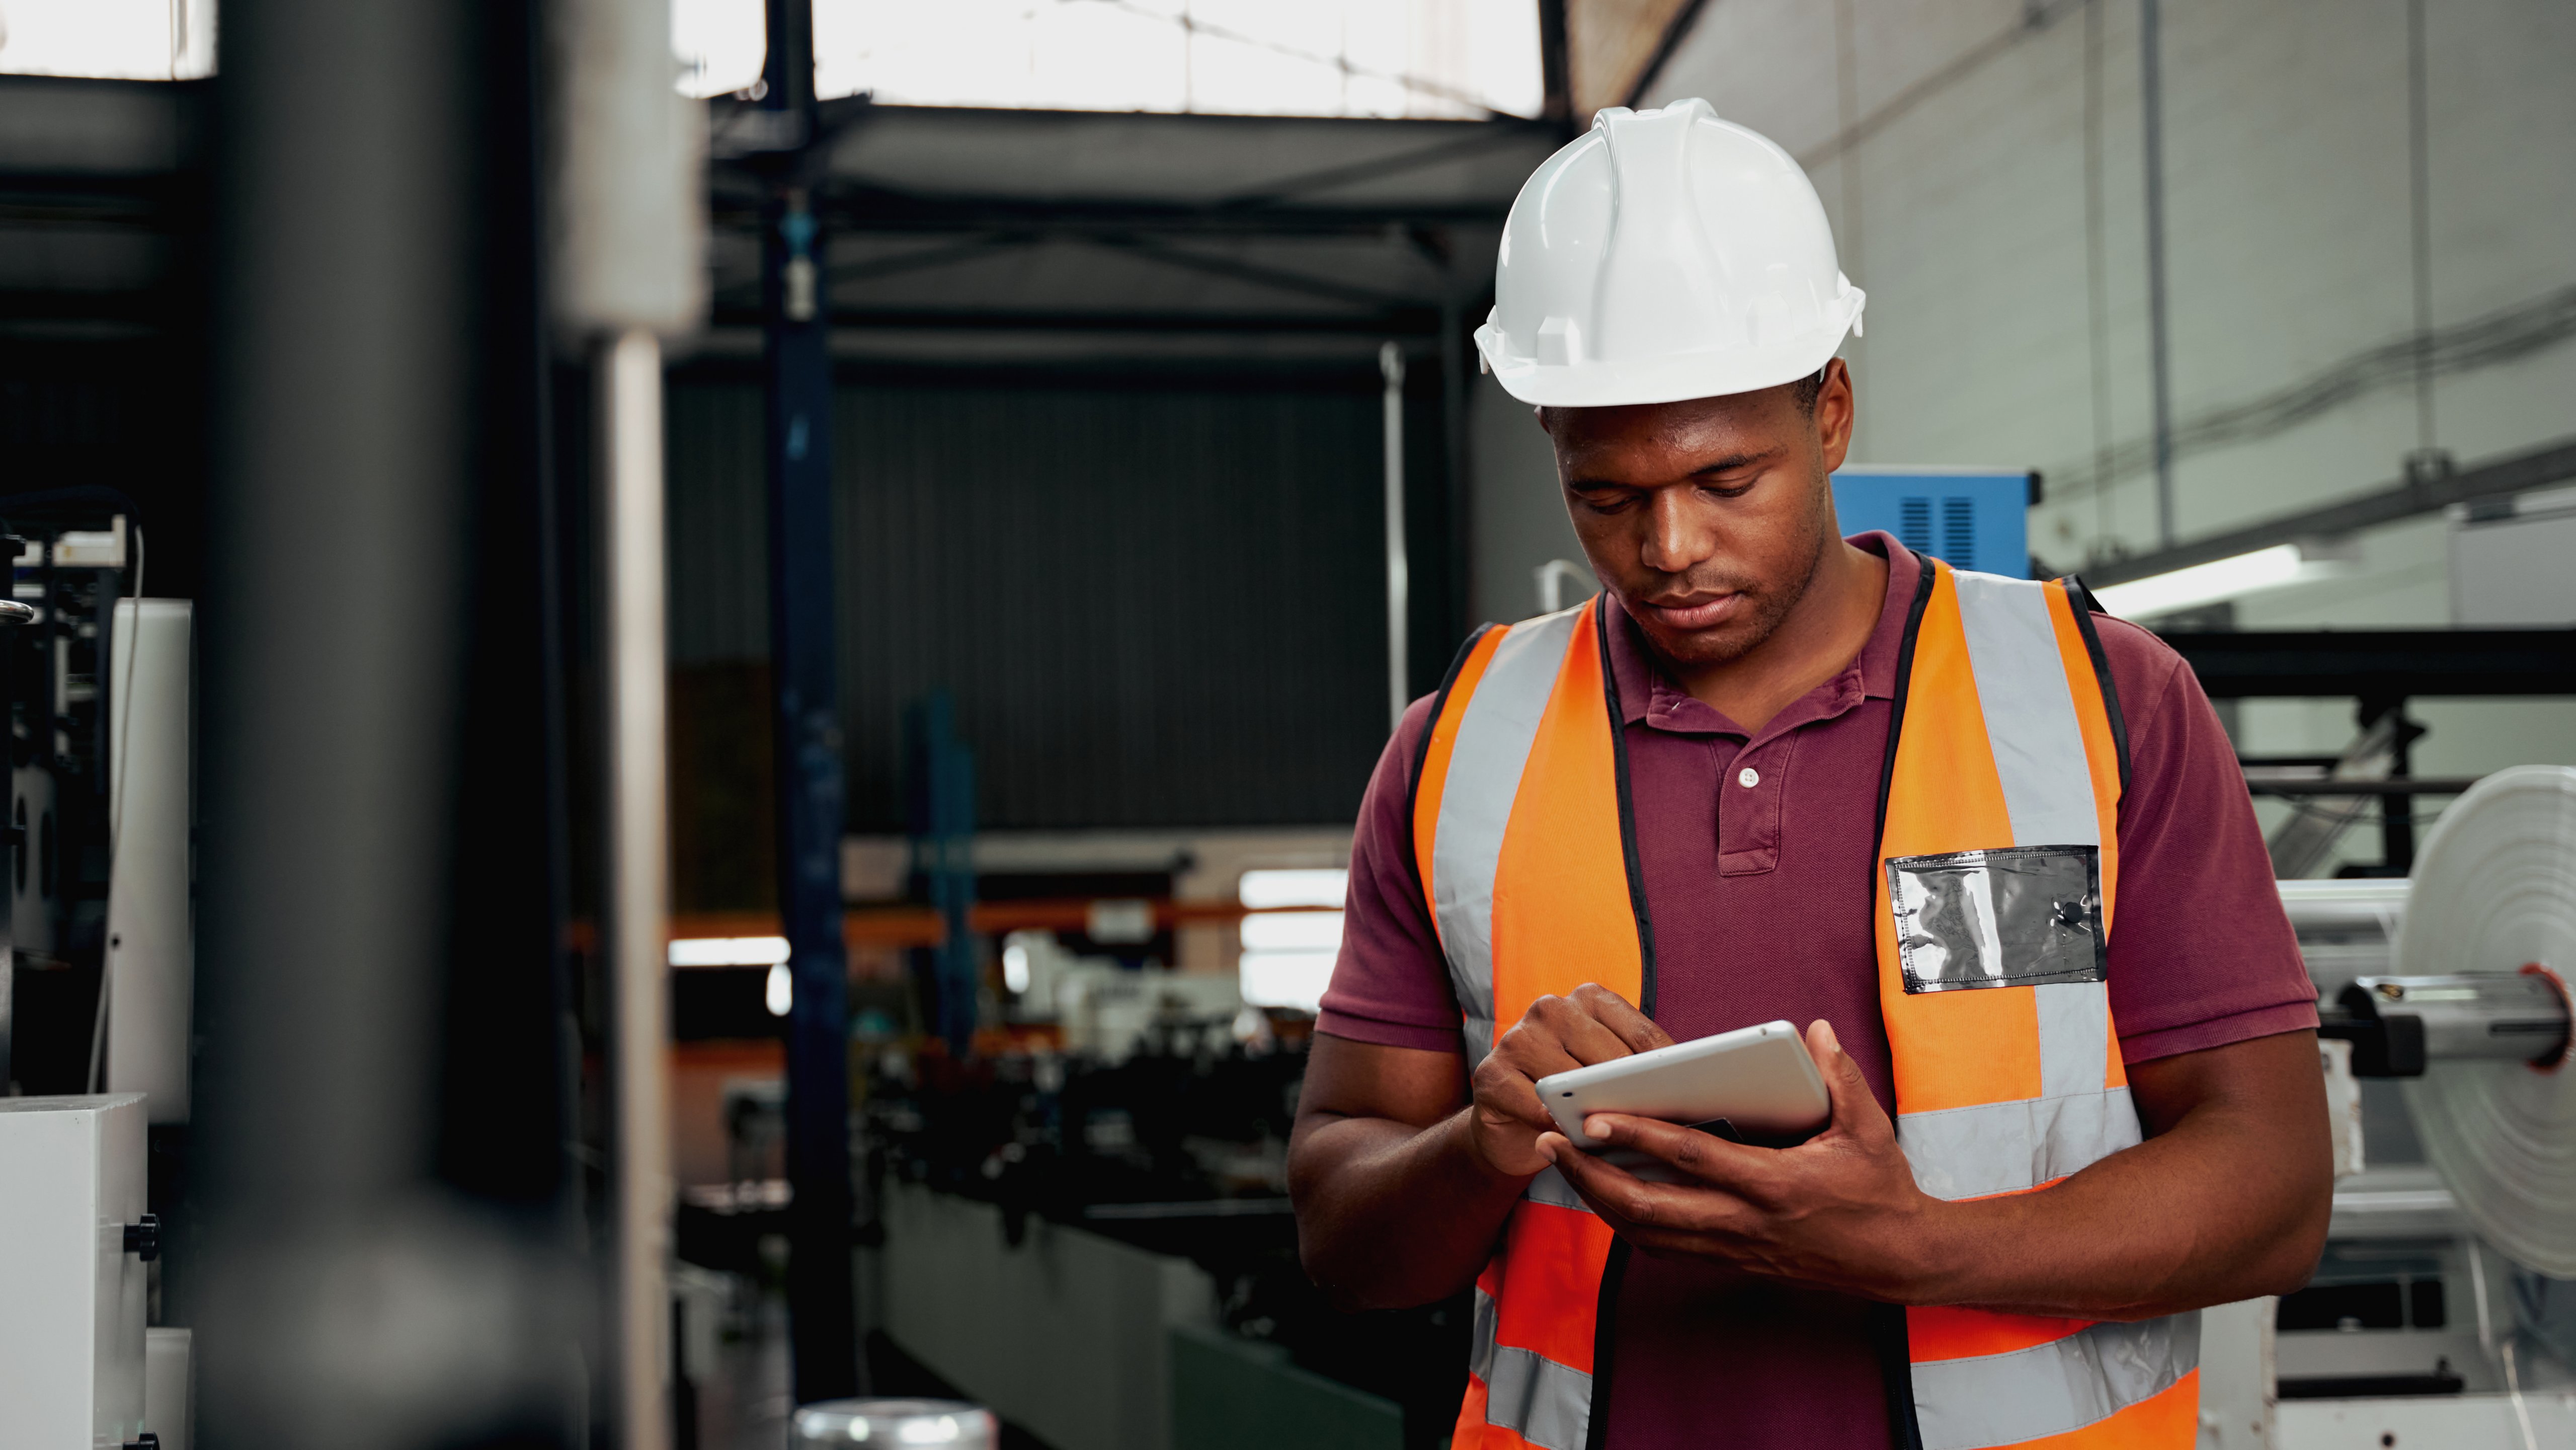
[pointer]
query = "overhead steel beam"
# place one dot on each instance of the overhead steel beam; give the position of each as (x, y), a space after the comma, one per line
(1401, 321)
(49, 195)
(2551, 463)
(857, 209)
(926, 258)
(144, 306)
(1274, 194)
(2380, 664)
(1255, 273)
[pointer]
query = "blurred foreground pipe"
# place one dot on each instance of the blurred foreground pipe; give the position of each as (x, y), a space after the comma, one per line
(1399, 568)
(379, 1262)
(629, 375)
(629, 266)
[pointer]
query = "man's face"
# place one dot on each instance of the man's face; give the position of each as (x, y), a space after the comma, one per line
(1705, 519)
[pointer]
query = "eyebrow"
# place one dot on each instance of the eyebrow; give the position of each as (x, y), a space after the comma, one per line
(1719, 465)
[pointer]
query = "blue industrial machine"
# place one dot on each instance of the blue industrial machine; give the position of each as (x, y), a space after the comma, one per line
(1976, 518)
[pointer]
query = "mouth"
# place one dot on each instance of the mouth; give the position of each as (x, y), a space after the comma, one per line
(1694, 611)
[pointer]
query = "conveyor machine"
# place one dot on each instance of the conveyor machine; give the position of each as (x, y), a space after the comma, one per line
(2441, 1313)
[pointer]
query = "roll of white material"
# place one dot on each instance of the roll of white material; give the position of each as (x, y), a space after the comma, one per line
(2345, 905)
(2495, 891)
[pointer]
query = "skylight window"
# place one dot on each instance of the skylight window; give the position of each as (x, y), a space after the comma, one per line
(135, 40)
(1423, 58)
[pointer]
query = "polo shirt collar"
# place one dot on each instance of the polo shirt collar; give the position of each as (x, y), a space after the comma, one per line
(1648, 695)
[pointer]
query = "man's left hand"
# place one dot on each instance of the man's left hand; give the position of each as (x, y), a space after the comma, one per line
(1838, 1211)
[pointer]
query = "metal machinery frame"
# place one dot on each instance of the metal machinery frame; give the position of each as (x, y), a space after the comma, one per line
(2381, 670)
(860, 216)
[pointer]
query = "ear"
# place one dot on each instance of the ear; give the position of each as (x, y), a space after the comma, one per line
(1834, 414)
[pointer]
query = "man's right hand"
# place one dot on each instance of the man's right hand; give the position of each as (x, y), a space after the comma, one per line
(1594, 1024)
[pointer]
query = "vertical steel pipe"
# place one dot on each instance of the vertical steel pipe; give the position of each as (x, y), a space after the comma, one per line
(1399, 573)
(805, 677)
(2151, 102)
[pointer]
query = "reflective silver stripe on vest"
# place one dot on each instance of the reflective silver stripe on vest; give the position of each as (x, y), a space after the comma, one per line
(1485, 763)
(1550, 1188)
(2030, 714)
(1534, 1397)
(2038, 741)
(2049, 1389)
(2011, 1146)
(1479, 1034)
(2074, 1037)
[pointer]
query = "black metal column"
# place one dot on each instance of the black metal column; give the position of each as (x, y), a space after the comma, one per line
(821, 1312)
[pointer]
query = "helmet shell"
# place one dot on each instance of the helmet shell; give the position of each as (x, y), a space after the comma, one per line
(1664, 255)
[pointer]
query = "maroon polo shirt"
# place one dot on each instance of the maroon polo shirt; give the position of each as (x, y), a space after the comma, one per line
(1757, 848)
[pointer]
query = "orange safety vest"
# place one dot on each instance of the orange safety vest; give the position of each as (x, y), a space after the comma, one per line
(1998, 851)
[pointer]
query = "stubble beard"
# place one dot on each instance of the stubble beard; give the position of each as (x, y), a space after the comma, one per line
(1726, 645)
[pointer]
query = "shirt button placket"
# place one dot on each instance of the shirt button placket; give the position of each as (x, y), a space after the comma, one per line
(1749, 820)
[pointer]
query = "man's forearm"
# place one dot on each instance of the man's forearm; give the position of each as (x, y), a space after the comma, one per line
(1389, 1215)
(2172, 1224)
(2228, 1201)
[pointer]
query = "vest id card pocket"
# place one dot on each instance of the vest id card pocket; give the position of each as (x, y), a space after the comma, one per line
(2014, 916)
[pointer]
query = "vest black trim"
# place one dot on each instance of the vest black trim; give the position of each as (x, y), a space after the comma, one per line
(1601, 627)
(1605, 1336)
(1904, 682)
(2086, 607)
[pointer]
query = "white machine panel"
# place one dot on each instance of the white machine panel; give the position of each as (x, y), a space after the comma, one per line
(151, 952)
(2509, 563)
(71, 1296)
(169, 1386)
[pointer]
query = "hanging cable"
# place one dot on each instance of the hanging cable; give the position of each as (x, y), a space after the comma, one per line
(1192, 26)
(2097, 268)
(2420, 200)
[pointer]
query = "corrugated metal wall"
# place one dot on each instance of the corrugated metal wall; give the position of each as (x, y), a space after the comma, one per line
(1157, 601)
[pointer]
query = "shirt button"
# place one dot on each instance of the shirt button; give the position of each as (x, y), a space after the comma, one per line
(1748, 777)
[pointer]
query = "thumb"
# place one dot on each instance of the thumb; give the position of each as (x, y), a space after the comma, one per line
(1855, 1108)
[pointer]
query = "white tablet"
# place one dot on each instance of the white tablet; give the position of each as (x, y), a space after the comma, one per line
(1753, 1084)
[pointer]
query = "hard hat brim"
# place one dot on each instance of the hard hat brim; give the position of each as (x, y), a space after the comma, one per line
(1611, 383)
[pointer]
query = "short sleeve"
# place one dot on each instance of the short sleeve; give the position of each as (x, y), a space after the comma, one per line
(1390, 986)
(2202, 954)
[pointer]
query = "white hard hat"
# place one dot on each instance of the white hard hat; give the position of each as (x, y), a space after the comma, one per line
(1665, 255)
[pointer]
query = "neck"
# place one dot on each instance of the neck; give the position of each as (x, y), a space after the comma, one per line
(1817, 639)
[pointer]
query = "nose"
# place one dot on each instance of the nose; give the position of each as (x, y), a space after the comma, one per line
(1676, 535)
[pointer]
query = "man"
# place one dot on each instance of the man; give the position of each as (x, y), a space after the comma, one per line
(1993, 850)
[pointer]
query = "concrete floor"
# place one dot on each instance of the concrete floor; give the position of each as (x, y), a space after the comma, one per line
(743, 1399)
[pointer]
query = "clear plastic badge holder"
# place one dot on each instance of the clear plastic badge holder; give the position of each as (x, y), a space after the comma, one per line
(2017, 916)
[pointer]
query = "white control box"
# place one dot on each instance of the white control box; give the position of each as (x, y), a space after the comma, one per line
(71, 1292)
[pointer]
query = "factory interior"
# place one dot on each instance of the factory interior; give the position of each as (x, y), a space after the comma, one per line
(693, 681)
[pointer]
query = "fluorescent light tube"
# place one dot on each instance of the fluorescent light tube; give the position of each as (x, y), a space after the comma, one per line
(728, 951)
(1311, 886)
(1286, 979)
(2218, 580)
(1293, 931)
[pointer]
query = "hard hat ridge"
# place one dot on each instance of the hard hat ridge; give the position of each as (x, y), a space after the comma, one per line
(1663, 255)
